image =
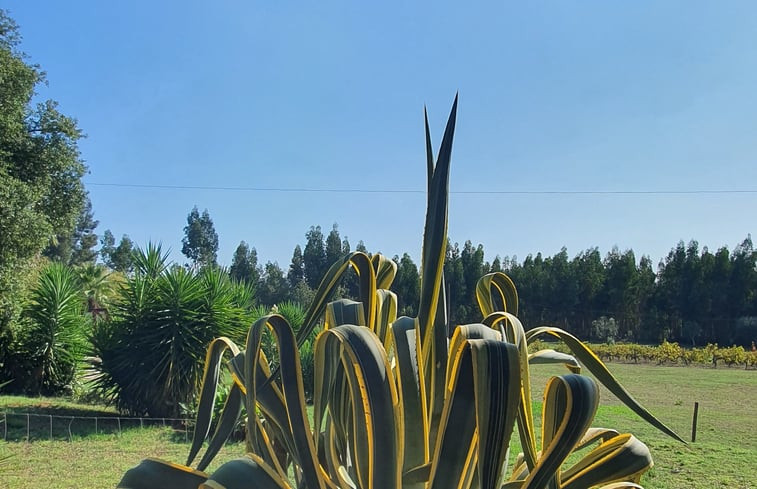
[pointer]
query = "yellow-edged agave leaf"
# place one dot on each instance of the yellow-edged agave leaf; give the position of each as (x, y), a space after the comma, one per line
(512, 331)
(495, 292)
(153, 473)
(592, 362)
(385, 270)
(496, 381)
(344, 311)
(361, 263)
(242, 473)
(386, 314)
(570, 402)
(415, 428)
(225, 426)
(270, 400)
(208, 392)
(548, 356)
(302, 447)
(593, 435)
(479, 414)
(622, 458)
(435, 230)
(622, 485)
(433, 387)
(375, 447)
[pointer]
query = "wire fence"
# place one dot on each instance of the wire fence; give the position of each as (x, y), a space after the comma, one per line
(33, 427)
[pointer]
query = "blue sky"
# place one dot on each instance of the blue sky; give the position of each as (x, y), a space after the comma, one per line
(554, 96)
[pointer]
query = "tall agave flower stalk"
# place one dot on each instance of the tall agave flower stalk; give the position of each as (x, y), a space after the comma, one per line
(397, 402)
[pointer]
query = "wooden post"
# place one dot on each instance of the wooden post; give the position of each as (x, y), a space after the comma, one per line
(694, 423)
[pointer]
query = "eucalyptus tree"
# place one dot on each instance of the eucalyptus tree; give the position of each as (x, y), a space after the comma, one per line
(314, 256)
(200, 241)
(244, 264)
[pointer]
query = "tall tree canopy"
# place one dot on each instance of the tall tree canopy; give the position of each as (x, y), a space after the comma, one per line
(78, 246)
(41, 192)
(200, 242)
(119, 258)
(333, 246)
(244, 264)
(314, 257)
(296, 273)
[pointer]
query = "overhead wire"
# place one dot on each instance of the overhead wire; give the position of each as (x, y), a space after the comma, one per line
(419, 191)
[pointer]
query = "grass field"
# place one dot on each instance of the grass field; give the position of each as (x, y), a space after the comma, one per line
(724, 455)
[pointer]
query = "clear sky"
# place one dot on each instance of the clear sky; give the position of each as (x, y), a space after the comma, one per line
(554, 96)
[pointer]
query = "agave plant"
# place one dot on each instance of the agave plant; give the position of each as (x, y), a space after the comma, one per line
(400, 403)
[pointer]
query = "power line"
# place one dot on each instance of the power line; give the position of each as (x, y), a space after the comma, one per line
(413, 191)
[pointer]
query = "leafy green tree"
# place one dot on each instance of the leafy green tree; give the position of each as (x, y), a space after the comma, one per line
(621, 297)
(41, 193)
(590, 276)
(646, 282)
(472, 261)
(454, 279)
(350, 286)
(274, 287)
(76, 247)
(562, 293)
(314, 257)
(84, 237)
(244, 264)
(296, 273)
(719, 282)
(107, 246)
(333, 246)
(496, 265)
(346, 246)
(122, 259)
(200, 242)
(119, 258)
(407, 286)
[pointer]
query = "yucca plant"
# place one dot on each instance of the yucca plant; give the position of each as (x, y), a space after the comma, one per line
(56, 338)
(397, 402)
(150, 355)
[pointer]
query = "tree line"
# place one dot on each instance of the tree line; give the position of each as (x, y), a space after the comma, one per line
(693, 296)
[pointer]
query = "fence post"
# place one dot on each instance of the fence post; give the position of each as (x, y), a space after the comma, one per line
(694, 423)
(70, 435)
(27, 428)
(119, 426)
(51, 428)
(95, 424)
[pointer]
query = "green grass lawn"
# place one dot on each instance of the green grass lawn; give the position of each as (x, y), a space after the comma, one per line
(724, 455)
